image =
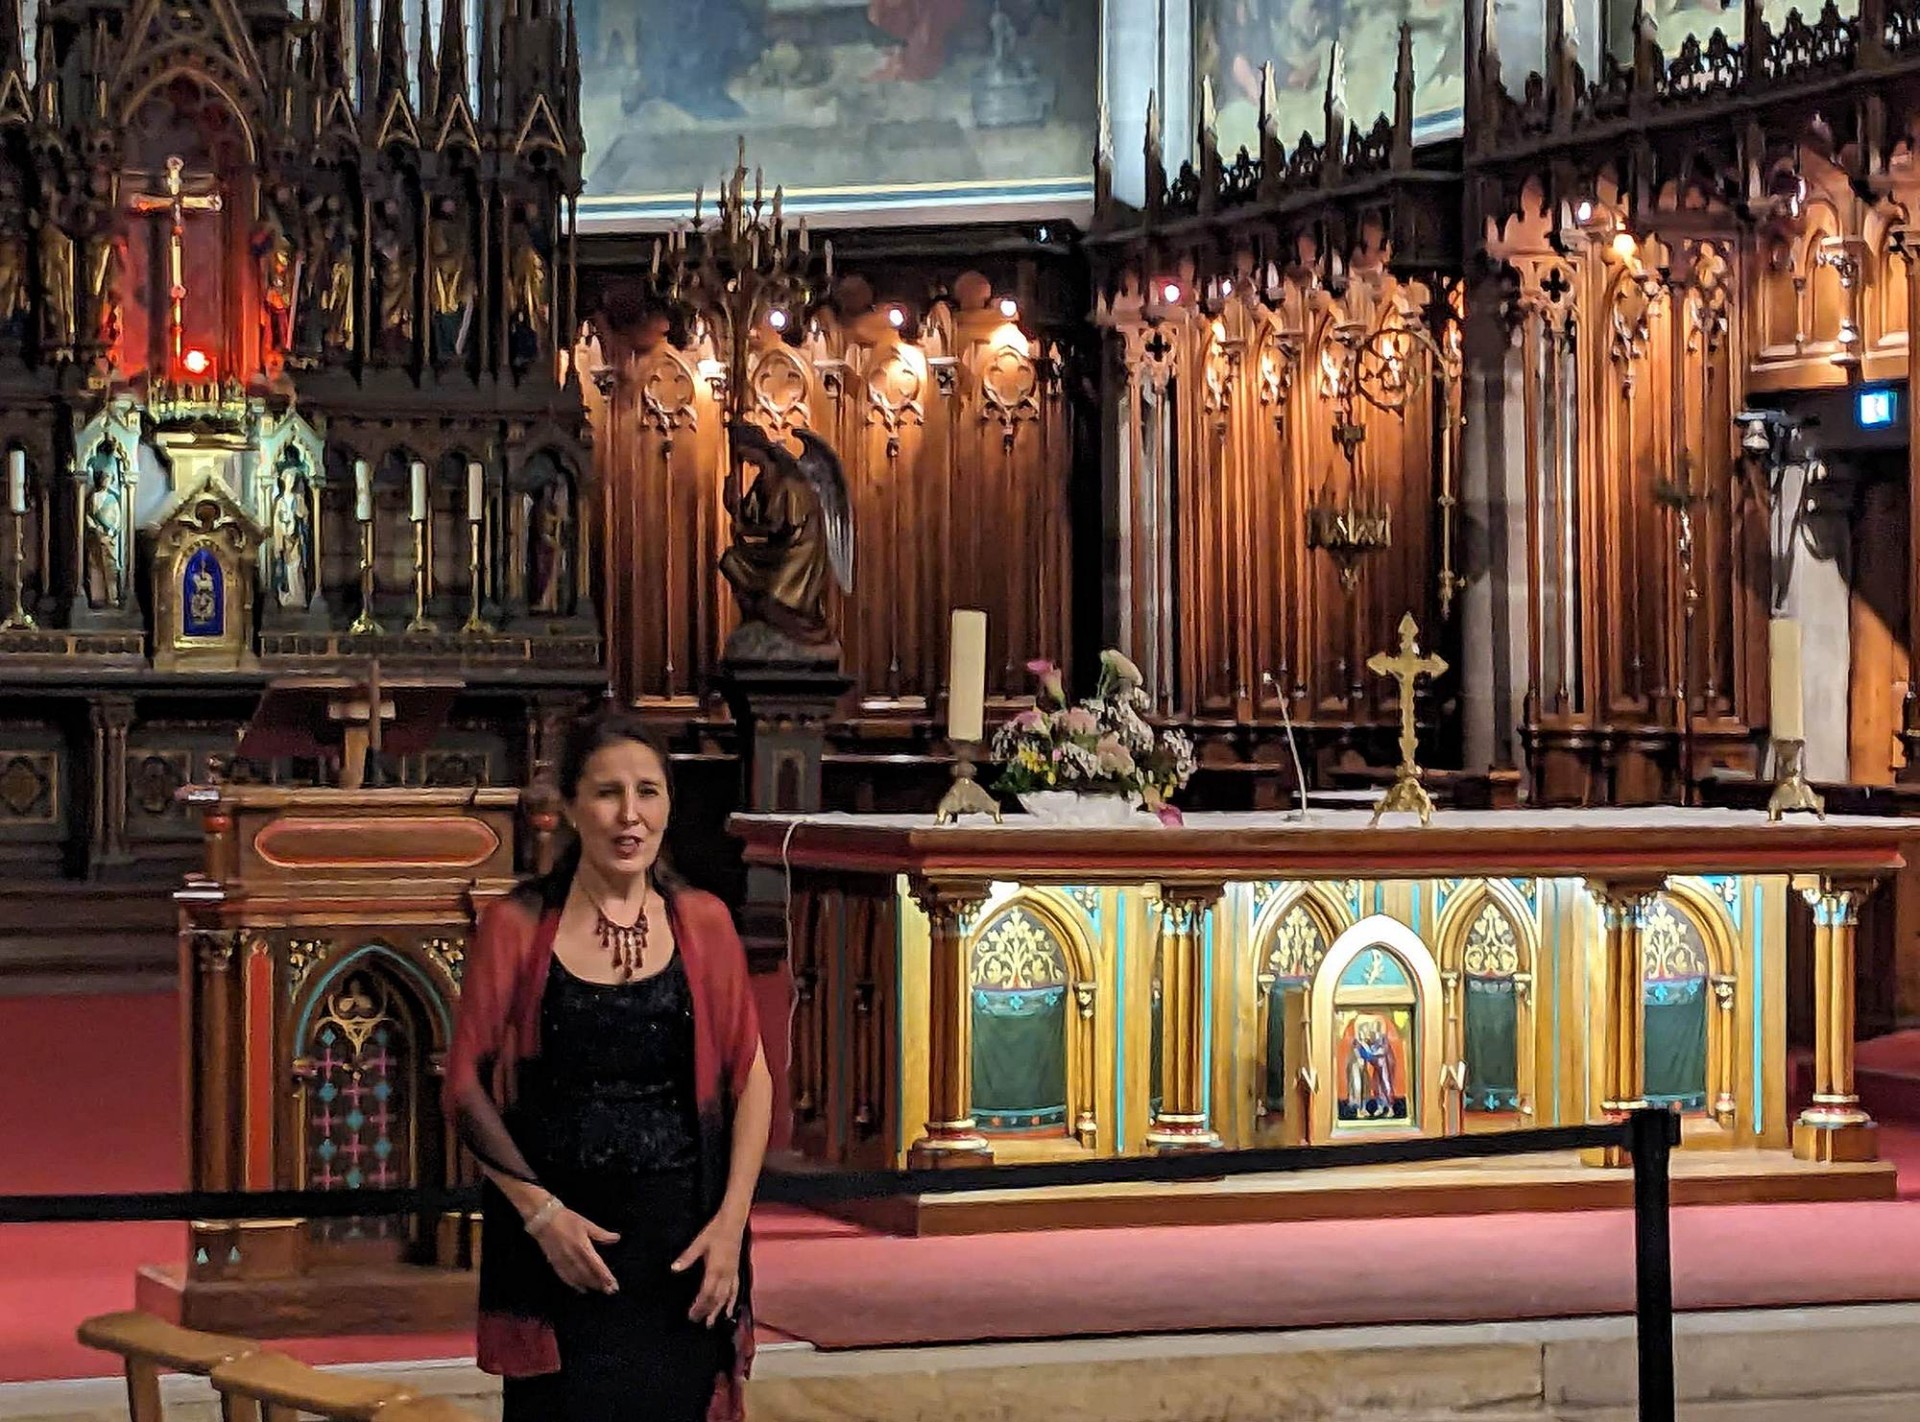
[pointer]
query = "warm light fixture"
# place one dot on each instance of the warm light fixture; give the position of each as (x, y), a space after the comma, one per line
(1170, 293)
(1583, 214)
(196, 361)
(896, 318)
(777, 319)
(1009, 308)
(1623, 246)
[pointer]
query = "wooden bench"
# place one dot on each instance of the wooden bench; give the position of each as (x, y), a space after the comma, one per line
(150, 1346)
(271, 1387)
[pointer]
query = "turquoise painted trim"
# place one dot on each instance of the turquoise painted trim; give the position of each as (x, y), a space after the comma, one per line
(1759, 995)
(433, 994)
(1206, 1019)
(1119, 1033)
(1418, 927)
(1379, 896)
(1558, 968)
(673, 207)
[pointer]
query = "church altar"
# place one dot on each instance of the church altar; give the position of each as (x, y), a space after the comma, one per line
(1021, 991)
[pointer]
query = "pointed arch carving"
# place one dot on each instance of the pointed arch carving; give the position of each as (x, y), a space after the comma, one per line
(1488, 954)
(1687, 939)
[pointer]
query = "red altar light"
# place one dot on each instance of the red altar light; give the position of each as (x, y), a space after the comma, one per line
(196, 361)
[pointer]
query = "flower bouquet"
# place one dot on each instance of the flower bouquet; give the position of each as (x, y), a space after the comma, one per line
(1097, 762)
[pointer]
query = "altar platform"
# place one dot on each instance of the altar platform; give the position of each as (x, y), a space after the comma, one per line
(1024, 991)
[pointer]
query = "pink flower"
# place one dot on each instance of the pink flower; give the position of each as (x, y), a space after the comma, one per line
(1032, 719)
(1079, 722)
(1169, 814)
(1052, 688)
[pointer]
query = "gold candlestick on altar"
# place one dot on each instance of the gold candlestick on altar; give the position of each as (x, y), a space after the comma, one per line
(476, 516)
(966, 716)
(1787, 712)
(365, 625)
(1406, 666)
(19, 619)
(417, 512)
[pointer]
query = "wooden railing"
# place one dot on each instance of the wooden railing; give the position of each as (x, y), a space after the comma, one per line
(255, 1385)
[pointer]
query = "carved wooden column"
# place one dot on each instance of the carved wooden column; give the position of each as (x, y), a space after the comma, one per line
(1181, 1121)
(112, 717)
(1623, 1003)
(950, 1137)
(1834, 1127)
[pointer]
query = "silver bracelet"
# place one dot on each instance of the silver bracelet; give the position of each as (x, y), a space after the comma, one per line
(543, 1216)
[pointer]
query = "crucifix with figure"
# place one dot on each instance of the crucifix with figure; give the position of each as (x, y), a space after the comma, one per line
(176, 203)
(1406, 667)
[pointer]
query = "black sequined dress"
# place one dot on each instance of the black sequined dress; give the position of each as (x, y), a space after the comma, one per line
(607, 1118)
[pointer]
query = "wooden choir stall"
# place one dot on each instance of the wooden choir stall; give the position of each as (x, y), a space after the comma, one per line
(1021, 991)
(320, 960)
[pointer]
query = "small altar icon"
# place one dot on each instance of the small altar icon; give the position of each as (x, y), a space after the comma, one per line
(1406, 666)
(1373, 1067)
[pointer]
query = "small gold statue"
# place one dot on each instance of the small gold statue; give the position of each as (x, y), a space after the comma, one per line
(1406, 794)
(56, 284)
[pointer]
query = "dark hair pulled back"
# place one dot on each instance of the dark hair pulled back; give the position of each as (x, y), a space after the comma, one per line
(589, 735)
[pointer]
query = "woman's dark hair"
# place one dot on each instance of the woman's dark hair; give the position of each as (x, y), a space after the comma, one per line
(586, 738)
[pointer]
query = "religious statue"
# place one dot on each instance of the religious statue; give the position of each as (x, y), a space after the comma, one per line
(56, 283)
(16, 298)
(396, 266)
(550, 564)
(334, 253)
(279, 284)
(104, 265)
(450, 284)
(292, 541)
(792, 538)
(104, 532)
(528, 295)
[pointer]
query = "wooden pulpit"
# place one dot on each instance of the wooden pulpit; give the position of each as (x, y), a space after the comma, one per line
(321, 951)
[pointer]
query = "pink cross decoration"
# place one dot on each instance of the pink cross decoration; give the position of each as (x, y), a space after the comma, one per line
(354, 1091)
(377, 1062)
(354, 1149)
(381, 1119)
(324, 1121)
(382, 1176)
(327, 1063)
(326, 1180)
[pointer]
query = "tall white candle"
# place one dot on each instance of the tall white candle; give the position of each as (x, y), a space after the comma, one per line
(1788, 715)
(16, 481)
(476, 491)
(362, 491)
(418, 510)
(967, 676)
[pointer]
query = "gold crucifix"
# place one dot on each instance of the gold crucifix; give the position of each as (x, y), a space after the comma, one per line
(177, 203)
(1405, 667)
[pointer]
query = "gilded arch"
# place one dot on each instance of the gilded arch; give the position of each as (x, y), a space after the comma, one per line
(1664, 947)
(1488, 932)
(1334, 1004)
(1291, 935)
(1007, 955)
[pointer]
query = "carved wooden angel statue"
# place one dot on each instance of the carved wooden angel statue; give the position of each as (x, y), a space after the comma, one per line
(792, 538)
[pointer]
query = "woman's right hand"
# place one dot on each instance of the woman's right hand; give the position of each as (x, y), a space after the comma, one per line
(570, 1242)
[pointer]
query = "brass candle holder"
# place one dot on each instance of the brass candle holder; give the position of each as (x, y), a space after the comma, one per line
(475, 623)
(420, 622)
(19, 619)
(1791, 791)
(365, 625)
(966, 796)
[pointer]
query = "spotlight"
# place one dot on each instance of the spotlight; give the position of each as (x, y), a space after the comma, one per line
(196, 361)
(1623, 246)
(1170, 293)
(1583, 214)
(1009, 308)
(896, 318)
(777, 319)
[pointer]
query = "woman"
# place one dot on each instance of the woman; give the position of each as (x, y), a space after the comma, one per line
(607, 1073)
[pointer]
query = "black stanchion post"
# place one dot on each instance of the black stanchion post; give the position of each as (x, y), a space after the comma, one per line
(1652, 1133)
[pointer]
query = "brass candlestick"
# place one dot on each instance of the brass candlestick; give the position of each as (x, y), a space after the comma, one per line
(365, 625)
(420, 622)
(965, 796)
(1406, 666)
(19, 619)
(475, 623)
(1791, 792)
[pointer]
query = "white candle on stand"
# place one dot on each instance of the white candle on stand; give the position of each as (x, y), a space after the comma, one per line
(16, 481)
(1787, 714)
(967, 676)
(418, 510)
(476, 491)
(362, 491)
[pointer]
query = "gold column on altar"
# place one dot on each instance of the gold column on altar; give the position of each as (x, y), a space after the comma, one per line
(1181, 1121)
(950, 1137)
(1834, 1127)
(1623, 1003)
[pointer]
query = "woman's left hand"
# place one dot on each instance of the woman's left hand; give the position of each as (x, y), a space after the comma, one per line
(717, 1249)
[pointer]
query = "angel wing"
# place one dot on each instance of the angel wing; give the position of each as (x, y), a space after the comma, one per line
(821, 468)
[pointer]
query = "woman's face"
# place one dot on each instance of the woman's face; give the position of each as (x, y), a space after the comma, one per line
(620, 810)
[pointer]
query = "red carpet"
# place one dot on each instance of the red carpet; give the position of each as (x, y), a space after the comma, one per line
(93, 1104)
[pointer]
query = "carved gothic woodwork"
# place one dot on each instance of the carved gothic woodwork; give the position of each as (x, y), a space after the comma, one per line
(954, 440)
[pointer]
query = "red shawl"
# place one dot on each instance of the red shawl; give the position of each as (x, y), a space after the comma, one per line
(499, 1027)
